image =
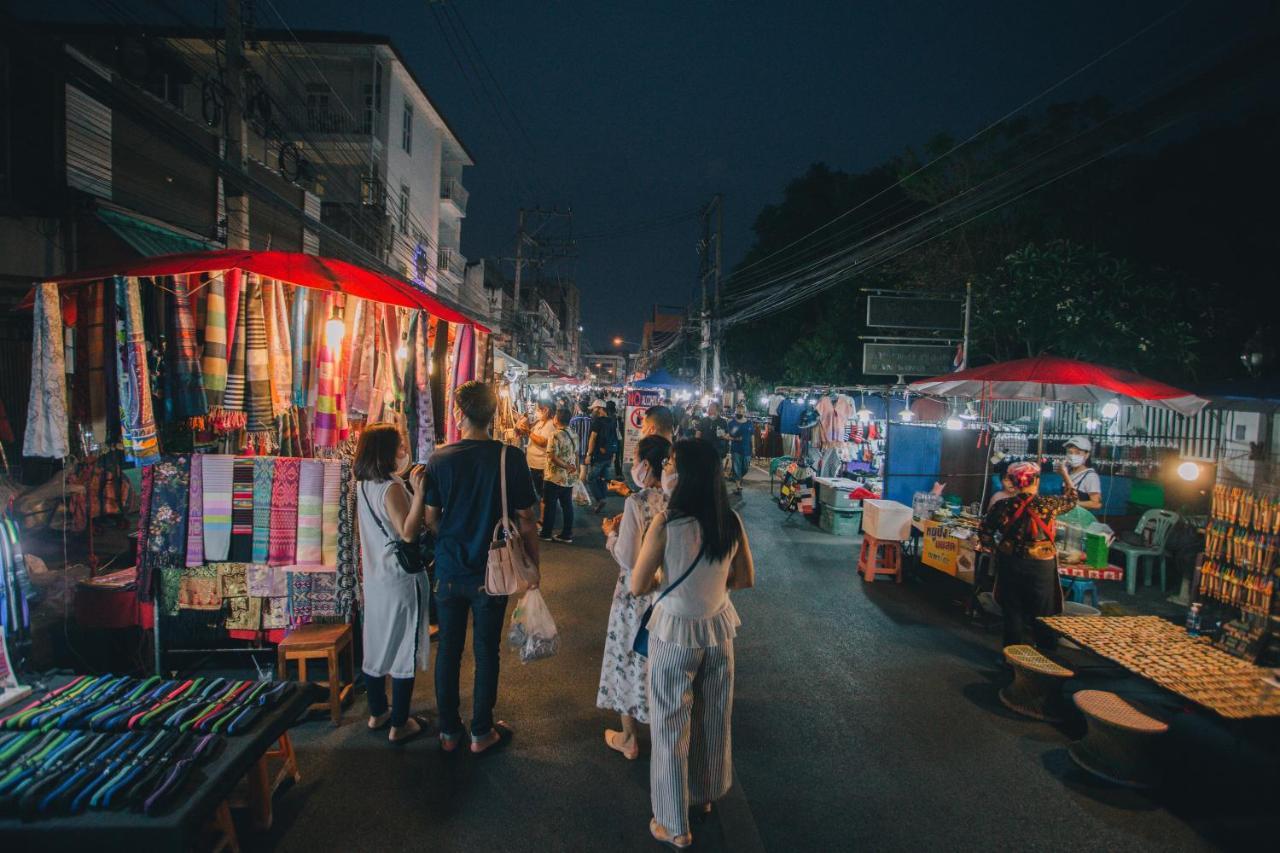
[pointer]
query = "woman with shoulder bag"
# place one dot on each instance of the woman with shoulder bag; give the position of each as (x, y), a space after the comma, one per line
(702, 547)
(396, 630)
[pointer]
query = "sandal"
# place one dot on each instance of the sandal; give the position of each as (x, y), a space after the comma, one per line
(424, 724)
(449, 743)
(614, 740)
(660, 834)
(386, 719)
(505, 733)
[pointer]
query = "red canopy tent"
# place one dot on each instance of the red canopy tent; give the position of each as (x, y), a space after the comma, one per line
(294, 268)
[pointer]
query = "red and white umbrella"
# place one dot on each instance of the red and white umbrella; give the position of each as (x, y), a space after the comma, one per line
(1048, 378)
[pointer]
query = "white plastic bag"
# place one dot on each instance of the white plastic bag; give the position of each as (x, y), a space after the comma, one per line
(533, 632)
(581, 494)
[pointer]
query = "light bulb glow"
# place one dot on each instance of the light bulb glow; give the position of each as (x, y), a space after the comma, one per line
(954, 423)
(1046, 412)
(1092, 424)
(907, 414)
(334, 331)
(402, 353)
(1111, 409)
(1189, 471)
(764, 399)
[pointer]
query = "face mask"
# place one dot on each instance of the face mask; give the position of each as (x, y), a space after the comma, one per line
(640, 473)
(1075, 459)
(668, 482)
(740, 416)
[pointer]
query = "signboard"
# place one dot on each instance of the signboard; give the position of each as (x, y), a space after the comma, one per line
(946, 553)
(638, 403)
(891, 359)
(915, 312)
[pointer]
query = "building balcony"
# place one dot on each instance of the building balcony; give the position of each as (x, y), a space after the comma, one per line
(451, 263)
(454, 195)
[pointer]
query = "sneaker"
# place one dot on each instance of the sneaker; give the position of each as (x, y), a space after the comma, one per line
(545, 537)
(567, 540)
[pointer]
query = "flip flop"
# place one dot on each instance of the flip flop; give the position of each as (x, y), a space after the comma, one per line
(609, 741)
(381, 727)
(660, 834)
(505, 734)
(424, 725)
(449, 743)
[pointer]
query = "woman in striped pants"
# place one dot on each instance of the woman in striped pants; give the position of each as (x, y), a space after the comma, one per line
(702, 546)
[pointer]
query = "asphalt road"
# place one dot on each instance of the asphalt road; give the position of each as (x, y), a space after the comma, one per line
(865, 718)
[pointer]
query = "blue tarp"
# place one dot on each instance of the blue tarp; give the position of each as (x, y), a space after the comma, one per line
(661, 379)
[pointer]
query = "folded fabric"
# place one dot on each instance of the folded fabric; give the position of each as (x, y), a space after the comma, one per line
(267, 581)
(198, 588)
(329, 510)
(275, 612)
(324, 596)
(217, 477)
(263, 474)
(170, 590)
(195, 512)
(241, 510)
(310, 502)
(244, 613)
(283, 536)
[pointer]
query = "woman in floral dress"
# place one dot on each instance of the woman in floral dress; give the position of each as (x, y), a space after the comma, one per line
(624, 673)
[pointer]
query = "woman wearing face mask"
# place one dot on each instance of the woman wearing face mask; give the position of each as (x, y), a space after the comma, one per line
(623, 672)
(1084, 479)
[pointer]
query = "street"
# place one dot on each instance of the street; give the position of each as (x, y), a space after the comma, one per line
(864, 718)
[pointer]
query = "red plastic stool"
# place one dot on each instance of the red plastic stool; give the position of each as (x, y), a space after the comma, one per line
(880, 557)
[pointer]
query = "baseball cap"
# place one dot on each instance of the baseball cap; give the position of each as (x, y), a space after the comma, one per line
(1081, 442)
(597, 403)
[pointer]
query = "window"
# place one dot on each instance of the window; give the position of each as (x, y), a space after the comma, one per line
(372, 101)
(318, 115)
(406, 129)
(404, 208)
(371, 191)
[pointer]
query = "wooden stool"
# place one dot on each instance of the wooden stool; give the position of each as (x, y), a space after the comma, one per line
(1036, 690)
(222, 830)
(259, 788)
(1121, 740)
(314, 642)
(879, 557)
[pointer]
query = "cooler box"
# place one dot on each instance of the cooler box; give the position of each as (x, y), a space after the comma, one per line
(887, 520)
(1095, 550)
(834, 492)
(840, 522)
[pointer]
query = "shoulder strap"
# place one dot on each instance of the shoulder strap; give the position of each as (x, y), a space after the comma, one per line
(502, 476)
(373, 512)
(686, 574)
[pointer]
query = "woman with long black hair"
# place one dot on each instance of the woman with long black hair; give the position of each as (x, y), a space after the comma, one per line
(702, 547)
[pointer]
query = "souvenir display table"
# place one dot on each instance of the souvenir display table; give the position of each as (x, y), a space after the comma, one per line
(1164, 653)
(176, 827)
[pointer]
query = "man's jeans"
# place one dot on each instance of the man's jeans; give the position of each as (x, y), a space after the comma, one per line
(596, 478)
(454, 600)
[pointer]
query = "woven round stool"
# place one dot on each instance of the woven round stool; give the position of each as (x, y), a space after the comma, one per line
(1121, 741)
(1036, 690)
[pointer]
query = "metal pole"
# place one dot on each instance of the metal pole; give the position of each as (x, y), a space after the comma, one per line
(968, 306)
(516, 321)
(157, 605)
(237, 200)
(715, 329)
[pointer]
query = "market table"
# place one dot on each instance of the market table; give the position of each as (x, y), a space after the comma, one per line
(177, 829)
(1164, 653)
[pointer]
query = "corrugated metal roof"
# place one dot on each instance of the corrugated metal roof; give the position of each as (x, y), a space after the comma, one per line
(149, 240)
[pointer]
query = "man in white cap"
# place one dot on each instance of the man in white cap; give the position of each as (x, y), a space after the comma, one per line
(600, 445)
(1087, 483)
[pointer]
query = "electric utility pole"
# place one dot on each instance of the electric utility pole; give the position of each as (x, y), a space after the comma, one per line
(537, 245)
(709, 268)
(237, 200)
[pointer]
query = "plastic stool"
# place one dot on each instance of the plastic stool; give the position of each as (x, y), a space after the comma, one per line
(1080, 587)
(880, 557)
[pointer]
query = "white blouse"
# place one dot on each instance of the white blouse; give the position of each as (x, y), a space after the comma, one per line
(699, 612)
(637, 514)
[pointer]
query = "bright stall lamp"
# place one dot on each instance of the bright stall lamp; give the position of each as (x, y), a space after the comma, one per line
(334, 331)
(906, 414)
(1189, 471)
(764, 399)
(1092, 424)
(1110, 409)
(1046, 412)
(954, 423)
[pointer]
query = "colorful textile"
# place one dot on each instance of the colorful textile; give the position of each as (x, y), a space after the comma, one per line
(166, 521)
(232, 580)
(279, 355)
(360, 364)
(195, 512)
(136, 416)
(184, 395)
(217, 479)
(310, 503)
(244, 613)
(324, 597)
(144, 521)
(325, 433)
(426, 431)
(233, 416)
(331, 502)
(170, 591)
(241, 510)
(347, 580)
(300, 342)
(92, 350)
(214, 363)
(258, 405)
(46, 433)
(263, 474)
(267, 581)
(283, 536)
(300, 608)
(275, 612)
(198, 588)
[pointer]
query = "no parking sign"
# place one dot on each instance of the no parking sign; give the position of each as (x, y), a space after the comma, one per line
(638, 403)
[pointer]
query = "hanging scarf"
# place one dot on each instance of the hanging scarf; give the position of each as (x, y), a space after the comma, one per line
(279, 356)
(326, 419)
(300, 610)
(198, 588)
(217, 480)
(263, 474)
(235, 307)
(310, 501)
(360, 369)
(282, 540)
(184, 395)
(136, 417)
(46, 433)
(347, 581)
(275, 612)
(301, 345)
(195, 512)
(324, 597)
(241, 510)
(214, 363)
(426, 432)
(267, 581)
(259, 420)
(141, 555)
(233, 416)
(167, 521)
(331, 503)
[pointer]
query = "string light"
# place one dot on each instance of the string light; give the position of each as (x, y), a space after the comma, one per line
(954, 423)
(1110, 409)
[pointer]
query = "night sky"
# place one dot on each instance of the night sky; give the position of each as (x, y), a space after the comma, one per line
(642, 110)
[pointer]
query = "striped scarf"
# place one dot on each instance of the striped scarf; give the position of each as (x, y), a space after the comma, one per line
(242, 510)
(263, 477)
(329, 506)
(360, 365)
(195, 513)
(310, 498)
(233, 416)
(301, 345)
(184, 392)
(283, 535)
(426, 433)
(214, 363)
(326, 419)
(141, 444)
(279, 355)
(259, 420)
(217, 478)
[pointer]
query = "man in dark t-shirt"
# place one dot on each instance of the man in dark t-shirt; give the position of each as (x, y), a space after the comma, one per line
(601, 439)
(464, 504)
(715, 429)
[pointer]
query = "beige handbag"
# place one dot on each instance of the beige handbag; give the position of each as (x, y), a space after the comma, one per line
(509, 571)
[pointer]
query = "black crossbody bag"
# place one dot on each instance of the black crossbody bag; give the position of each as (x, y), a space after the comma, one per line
(641, 643)
(408, 554)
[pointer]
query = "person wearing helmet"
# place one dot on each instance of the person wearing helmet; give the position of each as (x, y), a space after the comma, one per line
(1084, 479)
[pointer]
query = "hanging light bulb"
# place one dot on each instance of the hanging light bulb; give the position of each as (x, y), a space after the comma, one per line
(907, 414)
(334, 330)
(402, 352)
(1110, 409)
(1046, 412)
(1189, 471)
(954, 422)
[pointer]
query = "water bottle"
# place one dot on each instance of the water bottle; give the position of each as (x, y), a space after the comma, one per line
(1193, 619)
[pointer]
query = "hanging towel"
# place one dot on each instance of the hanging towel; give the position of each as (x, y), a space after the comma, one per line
(195, 512)
(331, 503)
(184, 395)
(136, 416)
(46, 433)
(263, 474)
(282, 544)
(214, 363)
(422, 381)
(166, 522)
(217, 476)
(310, 501)
(279, 355)
(260, 422)
(233, 413)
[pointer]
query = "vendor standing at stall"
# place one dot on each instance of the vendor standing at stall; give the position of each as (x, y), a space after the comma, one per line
(1084, 479)
(1020, 532)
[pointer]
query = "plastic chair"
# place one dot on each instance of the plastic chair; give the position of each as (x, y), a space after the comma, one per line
(1160, 521)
